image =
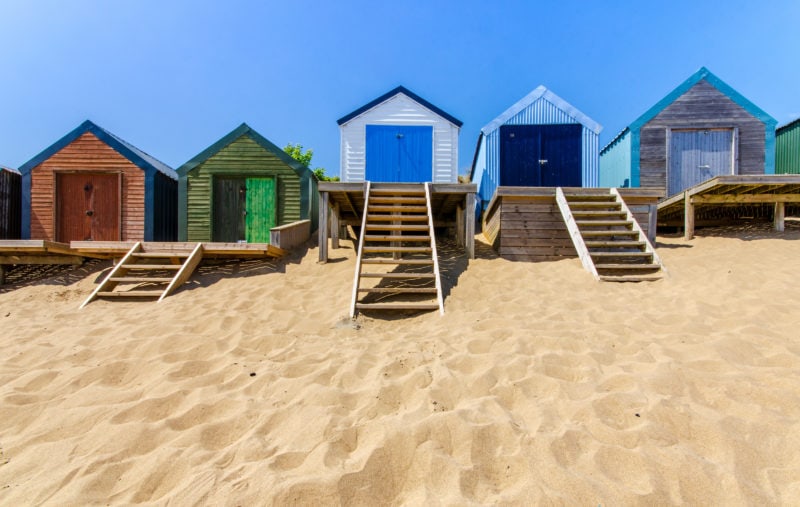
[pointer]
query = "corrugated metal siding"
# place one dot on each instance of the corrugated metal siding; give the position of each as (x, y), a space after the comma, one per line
(787, 149)
(615, 163)
(10, 204)
(541, 112)
(399, 110)
(242, 158)
(87, 153)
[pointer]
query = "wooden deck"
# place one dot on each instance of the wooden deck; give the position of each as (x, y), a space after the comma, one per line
(342, 204)
(117, 249)
(525, 224)
(726, 199)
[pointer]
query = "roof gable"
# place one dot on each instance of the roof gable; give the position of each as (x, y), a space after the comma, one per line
(724, 88)
(244, 130)
(787, 126)
(542, 93)
(9, 169)
(411, 95)
(135, 155)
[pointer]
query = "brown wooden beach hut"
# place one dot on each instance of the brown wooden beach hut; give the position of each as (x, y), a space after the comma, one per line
(90, 185)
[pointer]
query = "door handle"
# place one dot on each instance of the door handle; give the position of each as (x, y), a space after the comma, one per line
(89, 212)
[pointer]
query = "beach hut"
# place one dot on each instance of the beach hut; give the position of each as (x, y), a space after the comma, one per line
(399, 137)
(700, 130)
(787, 148)
(90, 185)
(10, 203)
(242, 186)
(541, 141)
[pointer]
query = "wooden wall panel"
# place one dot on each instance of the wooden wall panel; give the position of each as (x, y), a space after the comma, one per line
(87, 153)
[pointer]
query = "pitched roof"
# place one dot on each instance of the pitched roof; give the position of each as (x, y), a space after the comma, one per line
(542, 93)
(704, 74)
(9, 169)
(127, 150)
(242, 130)
(789, 125)
(413, 96)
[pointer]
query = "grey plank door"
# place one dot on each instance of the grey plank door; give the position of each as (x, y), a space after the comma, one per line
(698, 155)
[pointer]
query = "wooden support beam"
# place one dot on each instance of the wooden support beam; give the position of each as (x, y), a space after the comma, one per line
(652, 222)
(688, 217)
(779, 216)
(744, 198)
(2, 274)
(40, 259)
(335, 228)
(460, 229)
(469, 225)
(323, 227)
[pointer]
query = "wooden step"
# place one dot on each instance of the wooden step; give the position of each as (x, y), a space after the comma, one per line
(398, 190)
(397, 306)
(615, 244)
(152, 266)
(622, 267)
(631, 278)
(139, 279)
(398, 290)
(131, 293)
(588, 198)
(610, 232)
(396, 218)
(384, 260)
(161, 255)
(610, 204)
(598, 214)
(398, 249)
(391, 227)
(398, 200)
(398, 275)
(398, 209)
(397, 237)
(633, 255)
(604, 223)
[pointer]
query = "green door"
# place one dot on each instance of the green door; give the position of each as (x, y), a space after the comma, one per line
(260, 209)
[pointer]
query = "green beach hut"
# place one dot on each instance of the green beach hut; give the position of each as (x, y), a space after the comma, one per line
(240, 187)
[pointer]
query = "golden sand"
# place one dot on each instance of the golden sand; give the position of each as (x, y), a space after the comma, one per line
(251, 386)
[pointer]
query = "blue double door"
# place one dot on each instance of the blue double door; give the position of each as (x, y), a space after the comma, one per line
(540, 155)
(399, 153)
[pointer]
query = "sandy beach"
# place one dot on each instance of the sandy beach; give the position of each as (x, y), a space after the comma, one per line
(250, 385)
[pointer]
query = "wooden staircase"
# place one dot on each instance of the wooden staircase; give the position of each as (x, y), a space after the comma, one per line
(397, 267)
(148, 273)
(608, 239)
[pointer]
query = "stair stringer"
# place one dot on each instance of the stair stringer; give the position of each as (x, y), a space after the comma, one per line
(575, 233)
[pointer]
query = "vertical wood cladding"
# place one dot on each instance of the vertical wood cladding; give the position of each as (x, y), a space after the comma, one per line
(87, 153)
(701, 107)
(10, 204)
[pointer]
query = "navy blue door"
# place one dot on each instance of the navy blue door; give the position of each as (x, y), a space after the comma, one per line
(399, 153)
(540, 155)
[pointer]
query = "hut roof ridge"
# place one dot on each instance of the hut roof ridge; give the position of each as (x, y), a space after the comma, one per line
(408, 93)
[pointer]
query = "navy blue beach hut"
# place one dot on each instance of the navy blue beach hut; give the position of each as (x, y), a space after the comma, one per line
(399, 137)
(541, 141)
(700, 130)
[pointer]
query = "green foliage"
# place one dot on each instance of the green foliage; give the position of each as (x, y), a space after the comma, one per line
(296, 152)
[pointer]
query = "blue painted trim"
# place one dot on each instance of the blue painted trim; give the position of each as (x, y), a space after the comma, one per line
(149, 204)
(540, 92)
(703, 73)
(244, 130)
(769, 155)
(635, 169)
(25, 231)
(405, 91)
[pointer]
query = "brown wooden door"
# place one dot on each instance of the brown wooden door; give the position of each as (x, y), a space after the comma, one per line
(87, 207)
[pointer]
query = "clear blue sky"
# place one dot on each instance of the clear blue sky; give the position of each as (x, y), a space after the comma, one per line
(173, 76)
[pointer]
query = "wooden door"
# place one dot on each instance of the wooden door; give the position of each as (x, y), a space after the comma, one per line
(88, 207)
(698, 155)
(228, 223)
(399, 153)
(560, 160)
(260, 209)
(520, 155)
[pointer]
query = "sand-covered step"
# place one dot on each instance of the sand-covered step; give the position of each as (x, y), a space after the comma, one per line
(398, 290)
(132, 293)
(625, 267)
(615, 244)
(139, 279)
(387, 260)
(398, 218)
(397, 249)
(631, 278)
(398, 275)
(397, 306)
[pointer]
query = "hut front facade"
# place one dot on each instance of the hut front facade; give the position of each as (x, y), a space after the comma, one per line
(787, 148)
(10, 203)
(399, 137)
(242, 186)
(700, 130)
(541, 141)
(91, 185)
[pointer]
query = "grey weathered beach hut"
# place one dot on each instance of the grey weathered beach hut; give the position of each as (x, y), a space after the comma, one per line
(700, 130)
(10, 203)
(540, 141)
